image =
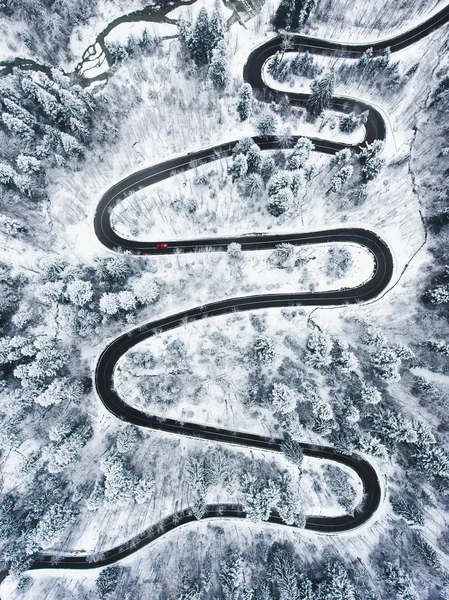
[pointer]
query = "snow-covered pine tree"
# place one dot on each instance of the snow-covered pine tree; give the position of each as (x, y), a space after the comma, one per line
(79, 292)
(294, 452)
(107, 582)
(126, 439)
(321, 96)
(283, 399)
(267, 125)
(218, 69)
(217, 25)
(341, 177)
(258, 497)
(199, 41)
(244, 102)
(284, 572)
(146, 289)
(319, 348)
(337, 585)
(264, 350)
(235, 251)
(17, 127)
(279, 203)
(352, 121)
(231, 575)
(239, 167)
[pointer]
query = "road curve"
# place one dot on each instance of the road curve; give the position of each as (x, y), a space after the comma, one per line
(371, 289)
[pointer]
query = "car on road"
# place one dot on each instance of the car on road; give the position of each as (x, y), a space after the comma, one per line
(161, 245)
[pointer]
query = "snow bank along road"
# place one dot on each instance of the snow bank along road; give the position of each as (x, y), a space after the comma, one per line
(371, 289)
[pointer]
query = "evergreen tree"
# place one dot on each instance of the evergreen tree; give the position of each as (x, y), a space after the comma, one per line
(28, 164)
(251, 151)
(71, 146)
(107, 582)
(279, 203)
(109, 303)
(398, 584)
(267, 125)
(341, 157)
(386, 363)
(289, 502)
(337, 585)
(433, 461)
(300, 155)
(11, 226)
(275, 64)
(217, 25)
(198, 484)
(253, 185)
(352, 121)
(371, 150)
(231, 575)
(218, 69)
(66, 445)
(438, 295)
(293, 14)
(144, 489)
(372, 168)
(126, 300)
(347, 362)
(119, 481)
(303, 64)
(341, 177)
(267, 168)
(293, 451)
(239, 167)
(254, 158)
(59, 390)
(126, 439)
(235, 251)
(50, 526)
(245, 101)
(282, 398)
(321, 96)
(370, 394)
(146, 290)
(280, 181)
(184, 31)
(264, 350)
(284, 572)
(319, 348)
(258, 498)
(7, 175)
(18, 127)
(199, 41)
(21, 113)
(410, 511)
(79, 292)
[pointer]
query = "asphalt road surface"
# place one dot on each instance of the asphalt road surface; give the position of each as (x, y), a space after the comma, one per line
(375, 129)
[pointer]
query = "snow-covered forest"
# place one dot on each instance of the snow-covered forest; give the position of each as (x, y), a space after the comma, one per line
(215, 460)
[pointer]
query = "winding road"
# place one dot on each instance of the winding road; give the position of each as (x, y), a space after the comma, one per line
(381, 277)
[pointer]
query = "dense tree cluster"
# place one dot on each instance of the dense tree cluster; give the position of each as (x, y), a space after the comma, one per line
(145, 45)
(205, 43)
(376, 70)
(85, 294)
(46, 28)
(293, 14)
(259, 491)
(50, 121)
